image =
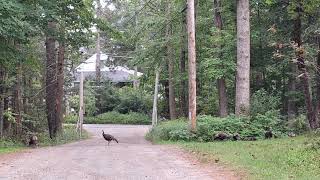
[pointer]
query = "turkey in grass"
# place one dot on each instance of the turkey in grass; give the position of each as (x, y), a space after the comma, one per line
(109, 137)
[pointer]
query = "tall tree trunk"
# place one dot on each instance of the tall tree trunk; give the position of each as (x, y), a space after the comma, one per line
(172, 101)
(317, 108)
(297, 31)
(192, 65)
(51, 83)
(183, 100)
(243, 59)
(98, 61)
(221, 83)
(2, 82)
(60, 83)
(18, 100)
(292, 108)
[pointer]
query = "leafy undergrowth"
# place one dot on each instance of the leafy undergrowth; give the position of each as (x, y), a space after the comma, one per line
(208, 127)
(286, 158)
(68, 135)
(113, 117)
(7, 146)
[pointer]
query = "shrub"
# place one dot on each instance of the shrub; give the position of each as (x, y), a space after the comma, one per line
(298, 124)
(133, 100)
(208, 127)
(71, 119)
(262, 102)
(118, 118)
(163, 130)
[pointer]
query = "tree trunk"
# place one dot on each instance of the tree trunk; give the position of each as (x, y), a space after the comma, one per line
(98, 61)
(155, 101)
(317, 108)
(243, 59)
(222, 87)
(192, 65)
(292, 108)
(183, 99)
(2, 82)
(51, 82)
(60, 83)
(18, 100)
(172, 103)
(297, 31)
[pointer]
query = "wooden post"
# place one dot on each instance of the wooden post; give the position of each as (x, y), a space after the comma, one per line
(135, 81)
(155, 101)
(192, 65)
(81, 104)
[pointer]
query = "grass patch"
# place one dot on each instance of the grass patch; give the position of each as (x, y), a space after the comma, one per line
(113, 117)
(281, 158)
(287, 158)
(68, 135)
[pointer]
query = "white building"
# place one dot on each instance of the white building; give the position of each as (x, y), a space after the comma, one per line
(116, 74)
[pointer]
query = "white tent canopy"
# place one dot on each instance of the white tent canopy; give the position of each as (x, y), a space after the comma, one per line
(114, 74)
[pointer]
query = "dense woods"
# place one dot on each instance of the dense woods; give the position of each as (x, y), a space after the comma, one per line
(219, 58)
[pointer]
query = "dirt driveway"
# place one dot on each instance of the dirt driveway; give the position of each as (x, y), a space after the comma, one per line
(132, 159)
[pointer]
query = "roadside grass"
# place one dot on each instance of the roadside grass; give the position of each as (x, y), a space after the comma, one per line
(287, 158)
(68, 135)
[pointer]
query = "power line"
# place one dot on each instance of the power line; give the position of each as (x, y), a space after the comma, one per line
(137, 12)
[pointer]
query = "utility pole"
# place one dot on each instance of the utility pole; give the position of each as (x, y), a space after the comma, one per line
(192, 65)
(81, 107)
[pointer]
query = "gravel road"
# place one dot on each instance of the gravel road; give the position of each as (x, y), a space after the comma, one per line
(133, 158)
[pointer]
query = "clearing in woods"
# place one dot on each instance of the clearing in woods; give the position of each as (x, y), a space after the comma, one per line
(133, 158)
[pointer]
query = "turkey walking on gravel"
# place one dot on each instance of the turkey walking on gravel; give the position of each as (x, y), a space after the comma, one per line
(109, 137)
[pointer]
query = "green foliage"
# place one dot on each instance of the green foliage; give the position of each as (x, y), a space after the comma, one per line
(71, 119)
(164, 131)
(68, 134)
(262, 102)
(298, 124)
(112, 117)
(134, 100)
(208, 127)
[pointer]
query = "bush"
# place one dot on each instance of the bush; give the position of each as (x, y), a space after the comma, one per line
(299, 124)
(262, 102)
(133, 100)
(118, 118)
(208, 127)
(71, 119)
(168, 130)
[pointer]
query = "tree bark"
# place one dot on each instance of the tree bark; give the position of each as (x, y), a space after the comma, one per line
(51, 82)
(221, 83)
(172, 101)
(18, 101)
(2, 79)
(183, 99)
(192, 65)
(297, 31)
(292, 108)
(243, 59)
(60, 83)
(317, 108)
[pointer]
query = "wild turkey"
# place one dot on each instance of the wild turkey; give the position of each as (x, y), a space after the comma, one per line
(109, 137)
(268, 134)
